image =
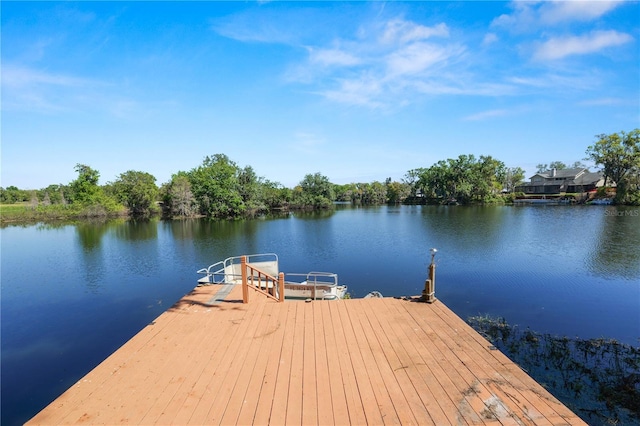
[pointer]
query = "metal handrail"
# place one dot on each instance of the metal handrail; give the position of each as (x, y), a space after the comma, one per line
(312, 279)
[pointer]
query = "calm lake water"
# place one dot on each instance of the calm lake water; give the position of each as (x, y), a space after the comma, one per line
(74, 293)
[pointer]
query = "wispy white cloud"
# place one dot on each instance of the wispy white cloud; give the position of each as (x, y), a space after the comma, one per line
(381, 64)
(21, 77)
(531, 15)
(560, 47)
(40, 91)
(554, 12)
(384, 63)
(361, 91)
(307, 142)
(26, 88)
(489, 39)
(484, 115)
(332, 57)
(605, 102)
(402, 31)
(417, 57)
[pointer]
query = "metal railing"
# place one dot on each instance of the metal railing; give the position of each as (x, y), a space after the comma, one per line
(320, 283)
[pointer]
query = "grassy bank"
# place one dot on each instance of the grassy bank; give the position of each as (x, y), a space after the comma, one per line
(27, 213)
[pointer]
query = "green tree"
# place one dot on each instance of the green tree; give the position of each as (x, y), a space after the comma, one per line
(12, 194)
(397, 192)
(178, 197)
(315, 190)
(216, 188)
(85, 189)
(488, 178)
(249, 186)
(88, 198)
(137, 191)
(463, 180)
(514, 176)
(54, 193)
(619, 156)
(374, 193)
(275, 195)
(414, 180)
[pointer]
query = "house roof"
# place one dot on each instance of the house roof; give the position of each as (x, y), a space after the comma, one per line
(588, 178)
(562, 173)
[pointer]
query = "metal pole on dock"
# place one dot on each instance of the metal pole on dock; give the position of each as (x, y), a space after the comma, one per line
(429, 292)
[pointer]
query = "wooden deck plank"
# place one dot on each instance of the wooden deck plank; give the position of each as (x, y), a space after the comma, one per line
(293, 414)
(474, 394)
(260, 391)
(134, 370)
(366, 361)
(68, 408)
(240, 394)
(279, 404)
(487, 374)
(422, 368)
(233, 318)
(185, 366)
(373, 415)
(345, 366)
(444, 365)
(382, 397)
(510, 373)
(479, 376)
(182, 394)
(222, 384)
(309, 378)
(394, 343)
(149, 388)
(405, 408)
(324, 390)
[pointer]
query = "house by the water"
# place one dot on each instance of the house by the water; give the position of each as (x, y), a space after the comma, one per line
(557, 182)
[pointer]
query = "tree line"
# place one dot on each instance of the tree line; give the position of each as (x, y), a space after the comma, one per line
(219, 188)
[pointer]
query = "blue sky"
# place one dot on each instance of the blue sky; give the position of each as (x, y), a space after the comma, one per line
(357, 91)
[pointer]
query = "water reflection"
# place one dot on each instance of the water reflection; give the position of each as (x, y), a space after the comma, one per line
(137, 230)
(617, 252)
(90, 232)
(314, 215)
(470, 231)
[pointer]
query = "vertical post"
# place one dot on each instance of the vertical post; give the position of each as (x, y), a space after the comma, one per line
(281, 286)
(245, 288)
(432, 280)
(429, 292)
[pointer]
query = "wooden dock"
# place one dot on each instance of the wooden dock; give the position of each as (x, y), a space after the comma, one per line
(215, 360)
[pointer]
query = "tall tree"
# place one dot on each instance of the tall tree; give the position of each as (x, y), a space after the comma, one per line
(249, 186)
(315, 190)
(136, 190)
(514, 177)
(85, 189)
(216, 188)
(397, 192)
(178, 197)
(619, 156)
